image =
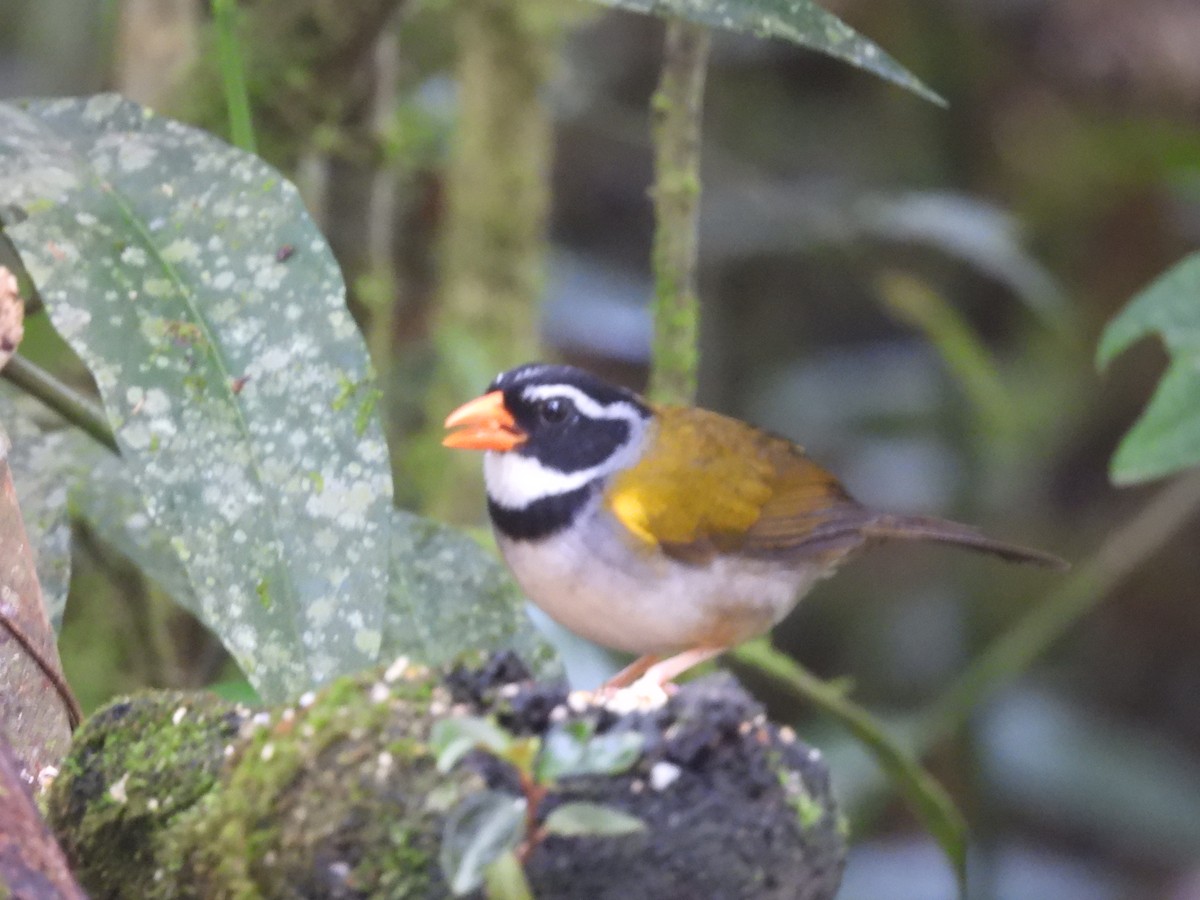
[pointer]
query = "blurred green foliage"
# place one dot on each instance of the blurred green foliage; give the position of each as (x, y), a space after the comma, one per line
(1166, 438)
(1066, 118)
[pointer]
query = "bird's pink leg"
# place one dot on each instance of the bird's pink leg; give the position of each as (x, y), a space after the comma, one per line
(665, 672)
(631, 672)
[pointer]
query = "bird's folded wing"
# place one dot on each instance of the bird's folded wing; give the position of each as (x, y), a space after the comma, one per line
(710, 484)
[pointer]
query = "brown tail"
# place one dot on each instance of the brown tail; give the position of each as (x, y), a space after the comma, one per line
(924, 528)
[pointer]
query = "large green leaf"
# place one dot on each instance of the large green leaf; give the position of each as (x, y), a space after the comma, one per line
(477, 832)
(109, 501)
(799, 21)
(1167, 436)
(448, 596)
(189, 278)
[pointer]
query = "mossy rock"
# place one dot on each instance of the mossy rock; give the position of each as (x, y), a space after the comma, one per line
(185, 796)
(327, 798)
(134, 768)
(734, 806)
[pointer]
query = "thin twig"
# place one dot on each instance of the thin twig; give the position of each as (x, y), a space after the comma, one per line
(64, 400)
(74, 713)
(676, 110)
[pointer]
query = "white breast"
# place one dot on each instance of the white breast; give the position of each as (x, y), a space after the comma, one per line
(592, 580)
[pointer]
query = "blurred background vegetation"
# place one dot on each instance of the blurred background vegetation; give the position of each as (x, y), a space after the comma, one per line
(913, 293)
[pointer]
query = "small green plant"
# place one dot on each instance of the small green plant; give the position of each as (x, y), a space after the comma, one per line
(490, 835)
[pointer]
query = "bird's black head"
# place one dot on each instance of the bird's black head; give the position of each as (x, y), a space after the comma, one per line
(554, 434)
(572, 420)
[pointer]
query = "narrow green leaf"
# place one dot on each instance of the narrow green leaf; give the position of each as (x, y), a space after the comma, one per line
(577, 819)
(233, 75)
(158, 251)
(799, 21)
(505, 879)
(1167, 436)
(966, 357)
(452, 739)
(927, 798)
(481, 829)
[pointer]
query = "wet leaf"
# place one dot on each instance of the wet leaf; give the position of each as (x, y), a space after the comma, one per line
(573, 750)
(1167, 436)
(233, 377)
(12, 316)
(452, 739)
(479, 831)
(577, 819)
(799, 21)
(108, 499)
(505, 879)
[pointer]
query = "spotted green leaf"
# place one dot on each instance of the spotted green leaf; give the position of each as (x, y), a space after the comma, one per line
(1167, 436)
(799, 21)
(191, 281)
(109, 501)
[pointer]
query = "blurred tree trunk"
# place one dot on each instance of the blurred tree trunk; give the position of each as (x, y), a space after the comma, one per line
(493, 242)
(156, 44)
(309, 68)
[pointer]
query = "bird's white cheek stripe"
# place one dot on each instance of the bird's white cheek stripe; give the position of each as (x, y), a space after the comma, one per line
(515, 481)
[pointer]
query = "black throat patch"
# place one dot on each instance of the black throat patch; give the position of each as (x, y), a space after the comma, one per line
(541, 518)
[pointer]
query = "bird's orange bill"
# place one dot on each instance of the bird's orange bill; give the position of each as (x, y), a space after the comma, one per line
(483, 424)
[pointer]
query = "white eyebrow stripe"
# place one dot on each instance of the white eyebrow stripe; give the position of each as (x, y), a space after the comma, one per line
(620, 409)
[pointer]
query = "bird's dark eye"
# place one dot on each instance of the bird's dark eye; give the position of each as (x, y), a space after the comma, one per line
(554, 410)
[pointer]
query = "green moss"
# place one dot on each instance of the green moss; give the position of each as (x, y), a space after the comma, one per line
(339, 796)
(184, 796)
(810, 811)
(327, 798)
(134, 768)
(676, 108)
(842, 825)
